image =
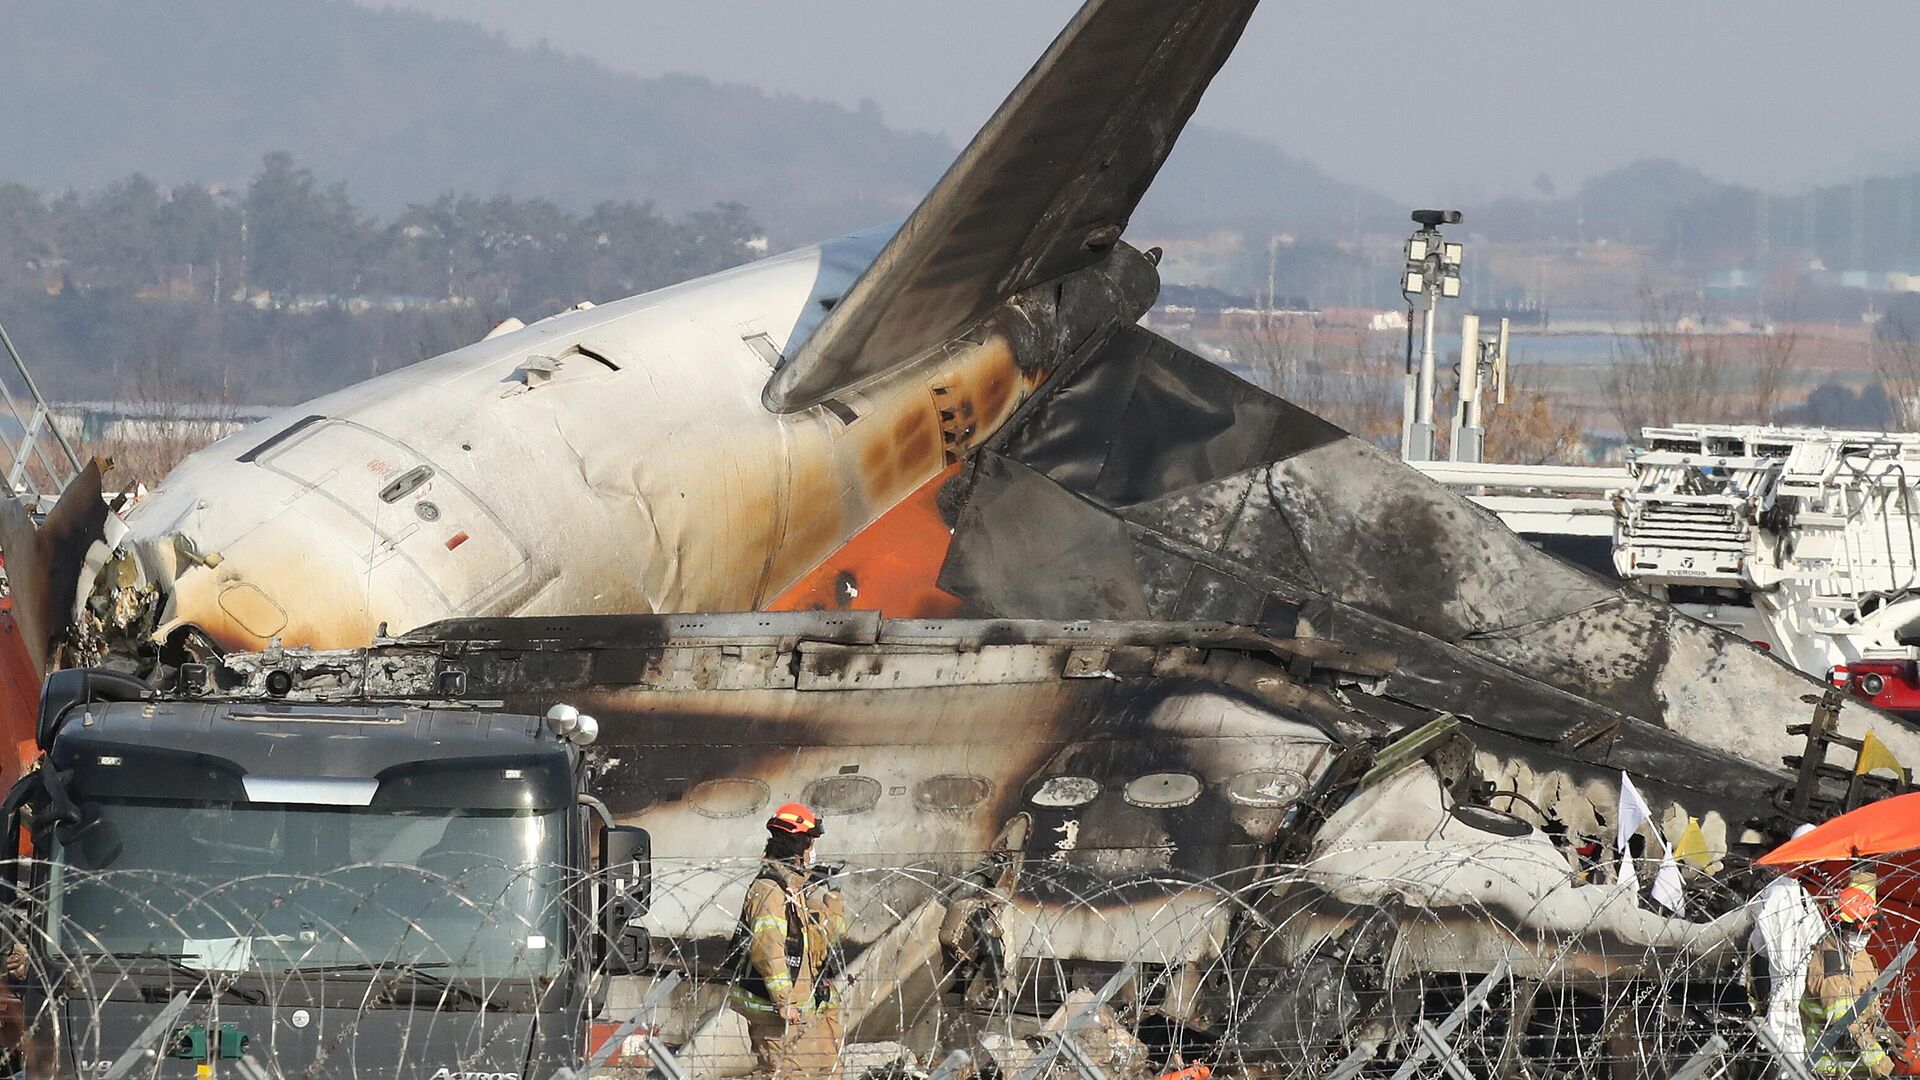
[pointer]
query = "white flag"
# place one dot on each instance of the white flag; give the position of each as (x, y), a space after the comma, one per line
(1666, 884)
(1633, 812)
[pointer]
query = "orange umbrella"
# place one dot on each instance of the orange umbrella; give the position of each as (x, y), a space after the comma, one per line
(1881, 828)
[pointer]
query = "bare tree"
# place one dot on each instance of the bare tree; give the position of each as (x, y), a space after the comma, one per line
(1895, 352)
(160, 420)
(1345, 376)
(1531, 429)
(1281, 354)
(1772, 359)
(1665, 373)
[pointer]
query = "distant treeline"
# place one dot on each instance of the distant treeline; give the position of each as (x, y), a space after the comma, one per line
(286, 288)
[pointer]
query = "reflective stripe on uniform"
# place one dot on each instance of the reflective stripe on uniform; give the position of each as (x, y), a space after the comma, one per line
(1815, 1010)
(748, 1001)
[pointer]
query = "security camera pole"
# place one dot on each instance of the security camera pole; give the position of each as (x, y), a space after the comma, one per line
(1433, 271)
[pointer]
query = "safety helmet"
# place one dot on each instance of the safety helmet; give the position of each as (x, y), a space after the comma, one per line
(794, 818)
(1855, 905)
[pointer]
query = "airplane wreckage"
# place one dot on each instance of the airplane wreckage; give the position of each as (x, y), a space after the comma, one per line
(1032, 594)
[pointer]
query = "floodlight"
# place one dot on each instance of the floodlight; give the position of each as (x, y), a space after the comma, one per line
(1416, 249)
(1452, 253)
(1450, 286)
(1414, 283)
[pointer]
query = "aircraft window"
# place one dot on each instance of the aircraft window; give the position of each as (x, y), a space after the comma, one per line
(842, 794)
(951, 793)
(1266, 787)
(764, 348)
(406, 483)
(1163, 789)
(1066, 791)
(728, 797)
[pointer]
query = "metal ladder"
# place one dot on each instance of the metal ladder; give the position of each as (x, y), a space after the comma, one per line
(40, 462)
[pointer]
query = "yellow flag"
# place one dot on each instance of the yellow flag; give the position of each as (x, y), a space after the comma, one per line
(1875, 755)
(1692, 846)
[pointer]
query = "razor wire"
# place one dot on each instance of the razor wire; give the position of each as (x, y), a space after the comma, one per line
(1458, 965)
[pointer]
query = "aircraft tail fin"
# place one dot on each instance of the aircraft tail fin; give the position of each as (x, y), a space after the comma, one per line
(1044, 189)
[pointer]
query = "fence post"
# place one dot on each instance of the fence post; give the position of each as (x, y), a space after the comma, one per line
(1793, 1062)
(1439, 1035)
(1702, 1060)
(1437, 1046)
(1351, 1065)
(155, 1029)
(658, 1055)
(1061, 1041)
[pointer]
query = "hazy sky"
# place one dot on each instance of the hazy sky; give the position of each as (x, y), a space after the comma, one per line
(1768, 92)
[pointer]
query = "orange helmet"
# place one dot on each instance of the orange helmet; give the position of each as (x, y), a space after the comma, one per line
(1855, 905)
(796, 819)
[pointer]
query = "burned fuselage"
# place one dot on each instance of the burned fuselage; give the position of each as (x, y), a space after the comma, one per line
(1197, 799)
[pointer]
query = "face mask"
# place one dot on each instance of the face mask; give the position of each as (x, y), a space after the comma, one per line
(1855, 940)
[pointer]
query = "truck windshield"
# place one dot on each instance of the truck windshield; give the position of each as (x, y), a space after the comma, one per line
(271, 887)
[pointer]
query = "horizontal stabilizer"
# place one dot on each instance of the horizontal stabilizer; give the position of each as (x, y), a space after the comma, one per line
(1044, 189)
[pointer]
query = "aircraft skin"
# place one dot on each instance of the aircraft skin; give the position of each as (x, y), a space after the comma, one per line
(612, 459)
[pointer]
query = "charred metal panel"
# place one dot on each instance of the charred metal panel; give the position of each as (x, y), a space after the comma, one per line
(1233, 502)
(1034, 547)
(44, 564)
(1147, 419)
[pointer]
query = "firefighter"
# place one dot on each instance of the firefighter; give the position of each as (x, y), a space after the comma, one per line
(786, 948)
(1838, 973)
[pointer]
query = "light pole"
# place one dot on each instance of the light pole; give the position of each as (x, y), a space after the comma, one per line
(1432, 272)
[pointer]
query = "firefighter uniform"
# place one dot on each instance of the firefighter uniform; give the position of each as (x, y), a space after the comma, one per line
(789, 934)
(1837, 977)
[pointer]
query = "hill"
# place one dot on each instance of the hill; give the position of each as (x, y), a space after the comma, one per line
(402, 106)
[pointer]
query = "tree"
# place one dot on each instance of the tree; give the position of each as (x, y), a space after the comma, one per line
(26, 232)
(109, 239)
(1665, 373)
(302, 239)
(1896, 358)
(1531, 430)
(193, 230)
(1350, 377)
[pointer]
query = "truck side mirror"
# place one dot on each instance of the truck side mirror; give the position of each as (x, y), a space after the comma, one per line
(626, 861)
(626, 865)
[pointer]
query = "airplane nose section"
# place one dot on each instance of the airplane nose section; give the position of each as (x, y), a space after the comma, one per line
(286, 579)
(320, 540)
